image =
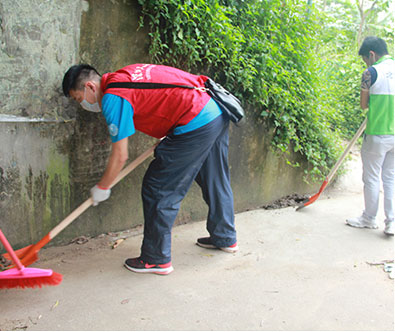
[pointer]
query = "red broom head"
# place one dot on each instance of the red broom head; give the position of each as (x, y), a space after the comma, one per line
(29, 278)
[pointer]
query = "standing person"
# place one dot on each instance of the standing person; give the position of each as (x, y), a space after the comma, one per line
(195, 148)
(377, 94)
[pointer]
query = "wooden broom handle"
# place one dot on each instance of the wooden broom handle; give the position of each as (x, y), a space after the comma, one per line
(79, 210)
(347, 150)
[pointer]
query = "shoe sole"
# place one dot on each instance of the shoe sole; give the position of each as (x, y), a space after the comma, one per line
(155, 271)
(362, 226)
(389, 234)
(211, 246)
(207, 246)
(230, 250)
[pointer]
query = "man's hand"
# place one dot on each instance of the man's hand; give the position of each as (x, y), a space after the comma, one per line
(99, 194)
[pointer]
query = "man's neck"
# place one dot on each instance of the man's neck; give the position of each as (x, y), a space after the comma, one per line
(100, 97)
(382, 58)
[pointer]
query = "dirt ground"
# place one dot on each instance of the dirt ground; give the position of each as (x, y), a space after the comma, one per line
(295, 270)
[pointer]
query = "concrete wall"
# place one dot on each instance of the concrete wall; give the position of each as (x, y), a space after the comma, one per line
(52, 152)
(38, 41)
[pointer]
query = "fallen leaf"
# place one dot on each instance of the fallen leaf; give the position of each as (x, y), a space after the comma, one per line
(55, 305)
(117, 243)
(80, 240)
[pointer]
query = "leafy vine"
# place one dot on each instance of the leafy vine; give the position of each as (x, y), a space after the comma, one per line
(266, 53)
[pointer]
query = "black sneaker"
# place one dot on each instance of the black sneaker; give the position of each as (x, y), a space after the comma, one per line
(139, 266)
(205, 242)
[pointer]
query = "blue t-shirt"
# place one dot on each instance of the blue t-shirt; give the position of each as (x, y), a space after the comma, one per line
(119, 116)
(206, 115)
(118, 113)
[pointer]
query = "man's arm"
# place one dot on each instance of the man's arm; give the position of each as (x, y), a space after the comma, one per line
(364, 101)
(118, 158)
(119, 117)
(366, 83)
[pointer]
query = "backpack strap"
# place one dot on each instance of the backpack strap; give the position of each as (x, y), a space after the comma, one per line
(147, 85)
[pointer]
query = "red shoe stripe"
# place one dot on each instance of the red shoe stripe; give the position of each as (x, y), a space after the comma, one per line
(163, 266)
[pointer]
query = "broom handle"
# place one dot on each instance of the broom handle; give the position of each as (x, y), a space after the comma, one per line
(79, 210)
(134, 164)
(11, 251)
(347, 150)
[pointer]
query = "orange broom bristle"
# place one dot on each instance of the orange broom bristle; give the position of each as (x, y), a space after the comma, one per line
(25, 277)
(29, 278)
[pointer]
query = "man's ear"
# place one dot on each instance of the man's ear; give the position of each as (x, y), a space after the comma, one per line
(90, 85)
(373, 55)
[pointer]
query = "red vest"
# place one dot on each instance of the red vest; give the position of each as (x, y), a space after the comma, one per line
(158, 111)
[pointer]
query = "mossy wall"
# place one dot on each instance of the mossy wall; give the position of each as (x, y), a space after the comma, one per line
(56, 152)
(34, 179)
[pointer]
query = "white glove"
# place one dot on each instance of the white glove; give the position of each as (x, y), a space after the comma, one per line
(99, 194)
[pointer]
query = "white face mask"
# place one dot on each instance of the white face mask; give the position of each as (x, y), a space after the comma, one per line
(90, 107)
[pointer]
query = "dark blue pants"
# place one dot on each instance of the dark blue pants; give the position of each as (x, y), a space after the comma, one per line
(200, 155)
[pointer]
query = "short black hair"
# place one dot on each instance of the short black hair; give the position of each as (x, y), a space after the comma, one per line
(374, 44)
(75, 76)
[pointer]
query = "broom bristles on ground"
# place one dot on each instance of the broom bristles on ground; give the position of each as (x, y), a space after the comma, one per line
(23, 280)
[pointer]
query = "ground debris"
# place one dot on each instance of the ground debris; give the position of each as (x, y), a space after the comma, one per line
(286, 201)
(13, 325)
(125, 234)
(388, 266)
(80, 240)
(4, 263)
(55, 305)
(386, 261)
(117, 243)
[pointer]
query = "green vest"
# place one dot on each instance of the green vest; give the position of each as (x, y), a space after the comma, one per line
(381, 99)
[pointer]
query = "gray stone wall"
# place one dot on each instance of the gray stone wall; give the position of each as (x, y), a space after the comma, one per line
(52, 152)
(34, 178)
(38, 41)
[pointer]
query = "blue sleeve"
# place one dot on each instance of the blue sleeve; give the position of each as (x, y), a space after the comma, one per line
(119, 117)
(373, 75)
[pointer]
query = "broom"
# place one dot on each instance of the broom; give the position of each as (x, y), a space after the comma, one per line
(328, 179)
(24, 277)
(28, 255)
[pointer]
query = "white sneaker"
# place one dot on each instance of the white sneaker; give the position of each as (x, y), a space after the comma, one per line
(361, 222)
(389, 228)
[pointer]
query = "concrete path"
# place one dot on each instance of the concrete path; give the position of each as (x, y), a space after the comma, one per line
(302, 270)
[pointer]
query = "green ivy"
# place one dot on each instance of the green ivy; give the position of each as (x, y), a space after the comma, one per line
(266, 53)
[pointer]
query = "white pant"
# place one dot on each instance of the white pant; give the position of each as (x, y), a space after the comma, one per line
(378, 157)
